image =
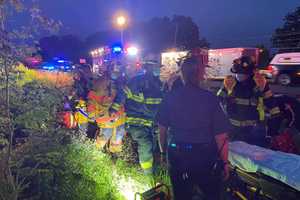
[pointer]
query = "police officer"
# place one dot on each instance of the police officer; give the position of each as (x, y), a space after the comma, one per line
(245, 97)
(196, 125)
(140, 98)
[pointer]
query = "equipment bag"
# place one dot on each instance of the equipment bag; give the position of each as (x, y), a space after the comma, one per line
(284, 142)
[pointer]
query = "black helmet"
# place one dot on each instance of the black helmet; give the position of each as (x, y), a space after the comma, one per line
(243, 65)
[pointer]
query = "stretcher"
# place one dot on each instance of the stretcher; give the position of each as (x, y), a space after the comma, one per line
(259, 173)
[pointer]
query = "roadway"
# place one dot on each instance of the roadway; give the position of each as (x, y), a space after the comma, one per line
(277, 89)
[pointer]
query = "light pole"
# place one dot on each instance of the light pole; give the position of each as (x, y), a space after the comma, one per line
(121, 22)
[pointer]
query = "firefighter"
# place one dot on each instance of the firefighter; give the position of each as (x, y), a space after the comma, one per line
(245, 98)
(82, 81)
(82, 84)
(111, 130)
(140, 98)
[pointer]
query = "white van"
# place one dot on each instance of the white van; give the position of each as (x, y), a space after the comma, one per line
(285, 68)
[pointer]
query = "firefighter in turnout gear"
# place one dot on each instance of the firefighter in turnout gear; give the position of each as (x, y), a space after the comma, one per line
(111, 130)
(247, 99)
(141, 98)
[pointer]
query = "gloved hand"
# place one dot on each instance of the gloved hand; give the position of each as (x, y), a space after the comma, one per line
(112, 112)
(229, 83)
(260, 81)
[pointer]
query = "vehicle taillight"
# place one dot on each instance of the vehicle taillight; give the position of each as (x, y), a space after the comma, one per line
(272, 69)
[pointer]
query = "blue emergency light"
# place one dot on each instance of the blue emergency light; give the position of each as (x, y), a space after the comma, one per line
(117, 49)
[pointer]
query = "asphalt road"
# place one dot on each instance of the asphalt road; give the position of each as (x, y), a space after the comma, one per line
(277, 89)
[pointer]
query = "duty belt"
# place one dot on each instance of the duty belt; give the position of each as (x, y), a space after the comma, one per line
(188, 146)
(243, 123)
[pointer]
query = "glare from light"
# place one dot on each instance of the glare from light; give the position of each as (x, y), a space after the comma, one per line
(128, 187)
(60, 61)
(117, 49)
(100, 50)
(121, 21)
(132, 51)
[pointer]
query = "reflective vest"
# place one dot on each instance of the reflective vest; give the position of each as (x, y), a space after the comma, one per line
(246, 105)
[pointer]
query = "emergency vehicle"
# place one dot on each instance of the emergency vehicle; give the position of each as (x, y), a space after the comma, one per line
(120, 58)
(219, 60)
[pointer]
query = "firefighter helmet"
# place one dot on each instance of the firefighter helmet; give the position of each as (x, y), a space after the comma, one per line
(243, 65)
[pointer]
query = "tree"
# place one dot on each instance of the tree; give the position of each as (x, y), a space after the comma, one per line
(15, 45)
(155, 35)
(187, 33)
(160, 34)
(287, 38)
(67, 46)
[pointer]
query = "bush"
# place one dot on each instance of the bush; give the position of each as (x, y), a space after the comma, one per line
(54, 163)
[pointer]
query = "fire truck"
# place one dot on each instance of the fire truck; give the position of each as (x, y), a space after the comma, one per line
(125, 60)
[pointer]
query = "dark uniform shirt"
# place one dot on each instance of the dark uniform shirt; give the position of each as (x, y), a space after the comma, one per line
(193, 115)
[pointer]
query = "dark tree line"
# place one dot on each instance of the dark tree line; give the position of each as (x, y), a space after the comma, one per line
(153, 36)
(287, 37)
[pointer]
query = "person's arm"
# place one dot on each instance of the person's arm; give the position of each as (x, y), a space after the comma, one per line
(163, 119)
(221, 126)
(119, 100)
(162, 138)
(222, 143)
(270, 104)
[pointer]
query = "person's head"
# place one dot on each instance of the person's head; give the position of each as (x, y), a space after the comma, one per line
(243, 68)
(151, 67)
(193, 70)
(84, 71)
(100, 84)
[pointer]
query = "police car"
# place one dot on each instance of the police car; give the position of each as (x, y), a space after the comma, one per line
(57, 65)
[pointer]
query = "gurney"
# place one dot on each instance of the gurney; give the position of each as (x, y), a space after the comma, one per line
(259, 173)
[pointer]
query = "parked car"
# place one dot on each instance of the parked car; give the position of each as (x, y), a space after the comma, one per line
(285, 68)
(57, 65)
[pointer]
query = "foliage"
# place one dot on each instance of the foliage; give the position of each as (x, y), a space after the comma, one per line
(55, 79)
(156, 35)
(287, 38)
(54, 163)
(66, 46)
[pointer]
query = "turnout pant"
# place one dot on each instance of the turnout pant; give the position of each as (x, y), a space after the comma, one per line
(191, 172)
(143, 137)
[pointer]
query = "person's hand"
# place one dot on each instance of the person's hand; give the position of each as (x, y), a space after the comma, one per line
(226, 172)
(229, 83)
(112, 112)
(260, 81)
(163, 160)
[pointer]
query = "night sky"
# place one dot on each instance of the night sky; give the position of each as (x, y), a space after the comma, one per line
(225, 23)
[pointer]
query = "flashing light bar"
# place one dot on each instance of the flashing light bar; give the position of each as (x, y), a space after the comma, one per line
(132, 51)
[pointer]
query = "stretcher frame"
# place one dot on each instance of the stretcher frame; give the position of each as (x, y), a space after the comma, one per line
(257, 186)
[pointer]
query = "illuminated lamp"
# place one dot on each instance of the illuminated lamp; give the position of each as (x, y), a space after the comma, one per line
(100, 50)
(156, 193)
(117, 49)
(132, 51)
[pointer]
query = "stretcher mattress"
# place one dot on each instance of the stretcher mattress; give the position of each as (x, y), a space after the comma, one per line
(281, 166)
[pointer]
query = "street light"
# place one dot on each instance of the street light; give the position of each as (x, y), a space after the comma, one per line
(121, 22)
